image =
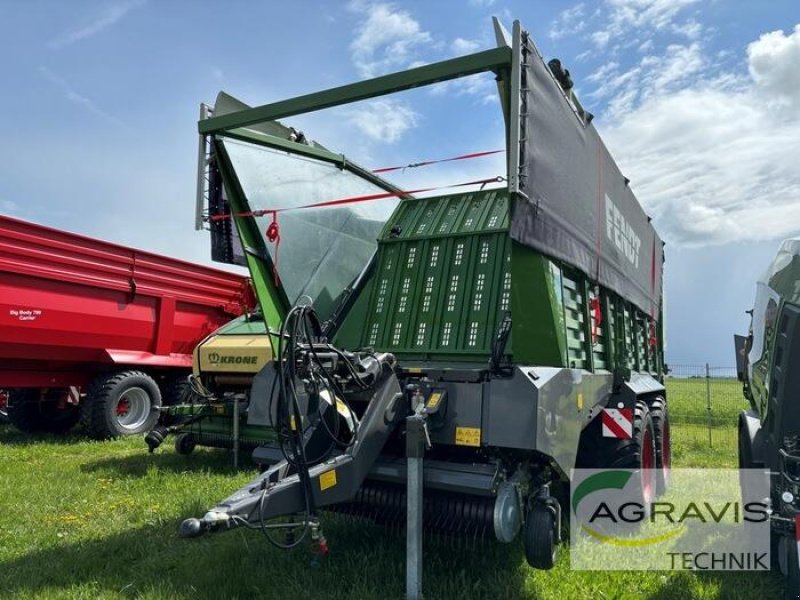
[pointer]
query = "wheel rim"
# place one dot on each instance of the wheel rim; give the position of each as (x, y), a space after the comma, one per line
(648, 465)
(133, 408)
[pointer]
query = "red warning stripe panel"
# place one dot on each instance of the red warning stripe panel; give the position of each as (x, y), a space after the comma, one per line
(617, 423)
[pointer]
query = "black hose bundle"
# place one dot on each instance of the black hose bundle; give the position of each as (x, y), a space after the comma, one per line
(298, 343)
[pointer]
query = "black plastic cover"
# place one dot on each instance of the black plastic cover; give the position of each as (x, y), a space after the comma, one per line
(579, 208)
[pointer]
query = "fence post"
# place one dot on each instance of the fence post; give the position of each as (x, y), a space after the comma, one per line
(708, 402)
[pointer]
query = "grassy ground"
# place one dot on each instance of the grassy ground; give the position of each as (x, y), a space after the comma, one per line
(82, 519)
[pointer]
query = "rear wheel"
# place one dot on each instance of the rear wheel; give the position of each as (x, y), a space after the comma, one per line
(661, 429)
(42, 411)
(638, 452)
(176, 389)
(788, 559)
(120, 404)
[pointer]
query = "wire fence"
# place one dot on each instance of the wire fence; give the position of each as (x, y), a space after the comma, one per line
(704, 404)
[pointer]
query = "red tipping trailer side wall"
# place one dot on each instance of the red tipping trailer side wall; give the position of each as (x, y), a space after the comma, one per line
(71, 305)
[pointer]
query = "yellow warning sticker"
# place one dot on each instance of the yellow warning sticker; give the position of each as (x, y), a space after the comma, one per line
(434, 400)
(327, 480)
(468, 436)
(579, 401)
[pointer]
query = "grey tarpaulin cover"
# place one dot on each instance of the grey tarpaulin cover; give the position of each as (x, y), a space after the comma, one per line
(578, 207)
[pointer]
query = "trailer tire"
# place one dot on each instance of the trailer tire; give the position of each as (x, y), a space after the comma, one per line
(540, 537)
(638, 452)
(788, 565)
(661, 427)
(176, 389)
(185, 444)
(35, 411)
(119, 404)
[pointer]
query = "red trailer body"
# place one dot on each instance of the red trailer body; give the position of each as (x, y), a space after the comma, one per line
(73, 309)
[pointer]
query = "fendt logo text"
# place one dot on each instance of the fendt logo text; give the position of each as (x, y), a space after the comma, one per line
(621, 233)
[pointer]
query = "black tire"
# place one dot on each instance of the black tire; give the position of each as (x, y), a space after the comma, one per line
(540, 537)
(185, 444)
(176, 389)
(638, 452)
(103, 410)
(790, 568)
(41, 411)
(661, 427)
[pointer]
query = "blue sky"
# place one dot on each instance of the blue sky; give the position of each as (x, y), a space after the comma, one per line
(699, 101)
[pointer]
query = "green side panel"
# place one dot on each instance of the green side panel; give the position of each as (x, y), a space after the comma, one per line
(539, 326)
(577, 327)
(438, 287)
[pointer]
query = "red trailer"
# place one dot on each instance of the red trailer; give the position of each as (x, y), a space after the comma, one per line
(99, 332)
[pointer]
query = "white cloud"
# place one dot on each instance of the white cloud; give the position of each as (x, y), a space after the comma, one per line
(384, 120)
(9, 207)
(462, 46)
(774, 64)
(627, 17)
(386, 38)
(481, 85)
(569, 22)
(110, 15)
(691, 29)
(79, 99)
(600, 38)
(712, 156)
(481, 3)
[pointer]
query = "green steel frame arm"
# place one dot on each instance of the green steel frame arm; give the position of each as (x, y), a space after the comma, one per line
(271, 297)
(489, 60)
(270, 141)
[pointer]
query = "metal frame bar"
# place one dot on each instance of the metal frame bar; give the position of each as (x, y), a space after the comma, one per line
(270, 141)
(488, 60)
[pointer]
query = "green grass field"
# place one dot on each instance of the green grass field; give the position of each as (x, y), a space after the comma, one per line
(83, 519)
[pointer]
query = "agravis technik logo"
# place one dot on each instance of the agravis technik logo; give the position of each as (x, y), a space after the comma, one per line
(700, 523)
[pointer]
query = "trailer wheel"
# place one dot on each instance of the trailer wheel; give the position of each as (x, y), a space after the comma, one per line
(661, 427)
(788, 564)
(38, 411)
(638, 452)
(185, 444)
(121, 404)
(176, 390)
(540, 537)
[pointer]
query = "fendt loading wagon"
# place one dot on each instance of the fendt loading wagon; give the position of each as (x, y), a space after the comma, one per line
(98, 331)
(485, 345)
(768, 362)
